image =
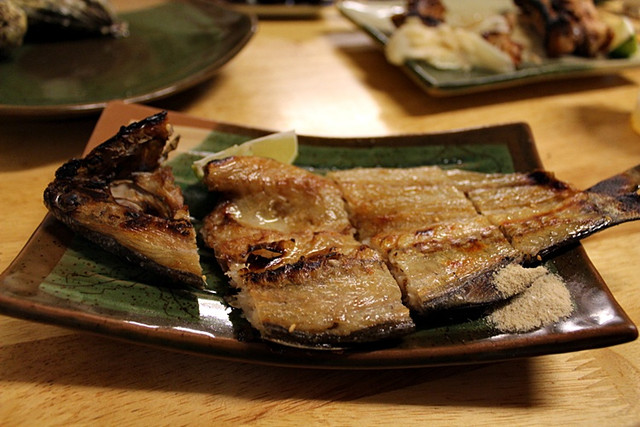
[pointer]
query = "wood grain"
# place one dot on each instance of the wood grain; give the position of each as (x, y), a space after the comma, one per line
(324, 77)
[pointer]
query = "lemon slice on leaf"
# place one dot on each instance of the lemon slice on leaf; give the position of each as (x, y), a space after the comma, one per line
(281, 146)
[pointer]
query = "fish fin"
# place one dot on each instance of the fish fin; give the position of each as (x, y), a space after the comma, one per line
(624, 188)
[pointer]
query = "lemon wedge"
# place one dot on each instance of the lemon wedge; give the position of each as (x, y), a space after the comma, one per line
(624, 43)
(281, 146)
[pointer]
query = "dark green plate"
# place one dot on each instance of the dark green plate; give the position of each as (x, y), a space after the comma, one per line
(172, 46)
(61, 279)
(373, 17)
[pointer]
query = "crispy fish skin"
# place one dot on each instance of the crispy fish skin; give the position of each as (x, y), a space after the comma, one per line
(283, 237)
(120, 197)
(326, 299)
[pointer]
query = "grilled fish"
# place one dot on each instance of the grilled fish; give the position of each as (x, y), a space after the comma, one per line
(121, 197)
(284, 238)
(440, 250)
(51, 19)
(47, 20)
(446, 234)
(307, 253)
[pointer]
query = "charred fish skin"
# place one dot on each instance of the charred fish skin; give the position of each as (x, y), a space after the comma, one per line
(138, 147)
(624, 188)
(122, 198)
(450, 264)
(283, 238)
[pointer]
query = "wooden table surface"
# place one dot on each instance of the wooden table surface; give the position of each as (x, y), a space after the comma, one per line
(324, 77)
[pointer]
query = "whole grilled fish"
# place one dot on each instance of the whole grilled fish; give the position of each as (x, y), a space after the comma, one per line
(121, 197)
(283, 237)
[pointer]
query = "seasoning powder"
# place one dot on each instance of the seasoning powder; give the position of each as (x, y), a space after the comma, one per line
(513, 279)
(547, 300)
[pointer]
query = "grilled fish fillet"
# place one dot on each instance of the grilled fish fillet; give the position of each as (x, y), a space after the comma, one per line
(538, 213)
(440, 250)
(284, 238)
(121, 197)
(452, 231)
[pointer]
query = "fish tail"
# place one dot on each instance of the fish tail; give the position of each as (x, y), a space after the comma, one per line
(624, 189)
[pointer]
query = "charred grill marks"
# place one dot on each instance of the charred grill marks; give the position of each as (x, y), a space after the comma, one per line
(122, 198)
(282, 275)
(301, 276)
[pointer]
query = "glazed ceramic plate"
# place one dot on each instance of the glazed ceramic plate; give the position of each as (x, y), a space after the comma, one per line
(173, 45)
(373, 17)
(61, 279)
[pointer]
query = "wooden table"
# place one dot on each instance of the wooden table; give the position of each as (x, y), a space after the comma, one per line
(324, 77)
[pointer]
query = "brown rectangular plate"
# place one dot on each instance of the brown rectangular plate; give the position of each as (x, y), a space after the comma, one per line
(61, 279)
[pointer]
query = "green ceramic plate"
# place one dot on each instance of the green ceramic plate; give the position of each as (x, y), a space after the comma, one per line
(373, 17)
(61, 279)
(172, 46)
